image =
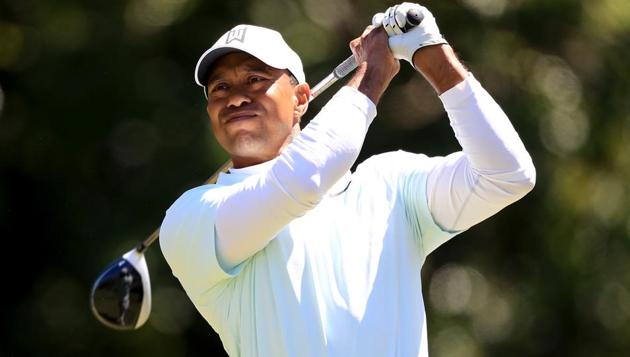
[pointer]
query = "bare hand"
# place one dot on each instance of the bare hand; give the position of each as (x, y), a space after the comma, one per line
(376, 63)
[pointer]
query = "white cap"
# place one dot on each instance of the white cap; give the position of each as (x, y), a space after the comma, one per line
(265, 44)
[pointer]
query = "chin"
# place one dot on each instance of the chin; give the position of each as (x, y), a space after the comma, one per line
(258, 148)
(252, 150)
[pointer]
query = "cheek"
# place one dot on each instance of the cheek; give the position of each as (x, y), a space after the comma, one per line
(213, 118)
(283, 104)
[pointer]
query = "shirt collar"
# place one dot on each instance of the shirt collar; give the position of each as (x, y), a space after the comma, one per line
(237, 175)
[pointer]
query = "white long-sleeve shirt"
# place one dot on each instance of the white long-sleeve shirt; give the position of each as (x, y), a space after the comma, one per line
(465, 188)
(297, 252)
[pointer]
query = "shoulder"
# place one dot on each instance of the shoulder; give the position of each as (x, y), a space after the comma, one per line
(204, 195)
(397, 162)
(192, 205)
(181, 221)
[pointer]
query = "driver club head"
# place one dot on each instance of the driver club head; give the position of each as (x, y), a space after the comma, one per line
(121, 295)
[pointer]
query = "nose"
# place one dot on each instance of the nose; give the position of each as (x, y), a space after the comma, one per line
(238, 97)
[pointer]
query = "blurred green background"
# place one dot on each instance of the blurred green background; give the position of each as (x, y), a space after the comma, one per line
(102, 128)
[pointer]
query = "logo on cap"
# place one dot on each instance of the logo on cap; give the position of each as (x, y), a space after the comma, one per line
(237, 34)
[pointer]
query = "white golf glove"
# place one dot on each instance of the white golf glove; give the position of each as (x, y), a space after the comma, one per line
(405, 44)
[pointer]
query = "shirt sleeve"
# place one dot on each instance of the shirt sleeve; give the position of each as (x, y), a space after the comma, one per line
(188, 239)
(230, 224)
(415, 169)
(493, 170)
(322, 153)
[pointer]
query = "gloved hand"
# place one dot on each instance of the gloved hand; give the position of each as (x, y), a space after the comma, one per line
(404, 44)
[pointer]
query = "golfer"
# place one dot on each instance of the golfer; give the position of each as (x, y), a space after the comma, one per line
(291, 254)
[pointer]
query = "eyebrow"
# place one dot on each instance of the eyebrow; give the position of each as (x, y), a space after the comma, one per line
(247, 67)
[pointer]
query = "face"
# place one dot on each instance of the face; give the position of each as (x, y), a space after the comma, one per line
(254, 109)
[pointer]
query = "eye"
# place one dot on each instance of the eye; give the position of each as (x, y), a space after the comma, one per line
(218, 87)
(256, 79)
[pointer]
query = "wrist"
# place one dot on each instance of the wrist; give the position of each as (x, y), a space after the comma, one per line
(440, 66)
(371, 80)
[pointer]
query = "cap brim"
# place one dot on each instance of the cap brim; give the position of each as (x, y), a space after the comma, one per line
(207, 59)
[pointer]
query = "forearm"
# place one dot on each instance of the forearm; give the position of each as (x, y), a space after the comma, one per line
(257, 209)
(440, 66)
(369, 82)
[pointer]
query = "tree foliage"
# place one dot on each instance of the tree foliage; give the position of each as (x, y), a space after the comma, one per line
(102, 127)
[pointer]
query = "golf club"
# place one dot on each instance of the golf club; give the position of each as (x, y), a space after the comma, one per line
(121, 295)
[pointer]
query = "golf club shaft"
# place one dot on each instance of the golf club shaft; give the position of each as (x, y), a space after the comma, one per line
(342, 70)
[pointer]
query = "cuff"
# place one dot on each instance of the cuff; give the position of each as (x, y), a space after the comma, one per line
(349, 95)
(460, 92)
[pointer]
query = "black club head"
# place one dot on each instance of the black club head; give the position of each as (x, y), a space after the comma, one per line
(121, 295)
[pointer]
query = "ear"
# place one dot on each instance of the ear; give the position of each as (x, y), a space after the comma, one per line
(302, 95)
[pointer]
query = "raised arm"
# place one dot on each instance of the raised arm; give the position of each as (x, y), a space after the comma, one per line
(254, 212)
(494, 168)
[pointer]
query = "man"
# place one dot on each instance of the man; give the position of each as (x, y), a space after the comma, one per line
(291, 255)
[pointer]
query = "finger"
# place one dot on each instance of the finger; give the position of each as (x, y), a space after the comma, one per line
(391, 21)
(367, 30)
(387, 24)
(377, 19)
(355, 48)
(354, 44)
(400, 16)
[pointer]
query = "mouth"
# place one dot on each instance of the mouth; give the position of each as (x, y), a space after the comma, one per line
(239, 116)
